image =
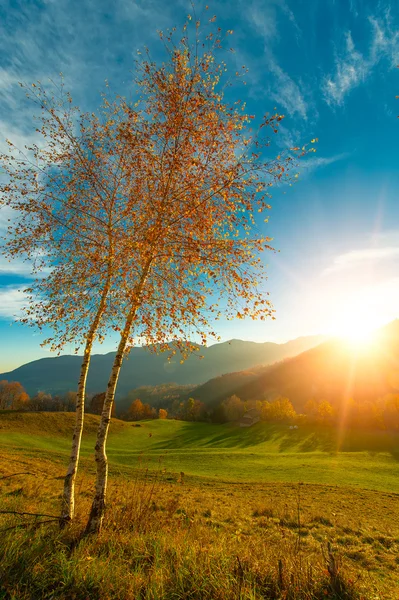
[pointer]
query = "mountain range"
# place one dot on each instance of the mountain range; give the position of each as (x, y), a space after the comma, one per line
(143, 366)
(332, 371)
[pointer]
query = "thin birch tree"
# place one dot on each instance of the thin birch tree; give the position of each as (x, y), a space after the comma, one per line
(69, 197)
(207, 174)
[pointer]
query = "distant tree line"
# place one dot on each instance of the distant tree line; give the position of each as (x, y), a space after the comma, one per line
(14, 397)
(381, 413)
(158, 396)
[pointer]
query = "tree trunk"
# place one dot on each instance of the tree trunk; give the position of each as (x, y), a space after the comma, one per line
(97, 512)
(98, 507)
(68, 496)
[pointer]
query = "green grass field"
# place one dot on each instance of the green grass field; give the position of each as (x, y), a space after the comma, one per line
(261, 453)
(237, 526)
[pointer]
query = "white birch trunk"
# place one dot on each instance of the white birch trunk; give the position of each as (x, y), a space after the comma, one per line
(98, 507)
(97, 512)
(68, 496)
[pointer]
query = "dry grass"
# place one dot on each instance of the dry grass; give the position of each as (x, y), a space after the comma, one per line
(53, 423)
(173, 540)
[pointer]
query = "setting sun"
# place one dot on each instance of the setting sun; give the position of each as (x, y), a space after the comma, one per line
(356, 314)
(356, 329)
(358, 337)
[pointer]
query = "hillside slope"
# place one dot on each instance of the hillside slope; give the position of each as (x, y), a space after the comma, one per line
(332, 371)
(54, 424)
(143, 367)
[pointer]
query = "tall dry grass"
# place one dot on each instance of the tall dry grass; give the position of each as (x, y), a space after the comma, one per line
(169, 537)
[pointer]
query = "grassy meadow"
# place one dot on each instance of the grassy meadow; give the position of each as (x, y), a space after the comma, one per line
(261, 453)
(263, 512)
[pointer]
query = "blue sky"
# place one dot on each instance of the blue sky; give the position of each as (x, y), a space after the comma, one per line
(328, 65)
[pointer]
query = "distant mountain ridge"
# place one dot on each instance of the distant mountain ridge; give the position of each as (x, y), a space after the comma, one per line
(143, 367)
(332, 371)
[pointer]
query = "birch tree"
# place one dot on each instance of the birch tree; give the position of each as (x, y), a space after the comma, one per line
(206, 176)
(69, 197)
(139, 219)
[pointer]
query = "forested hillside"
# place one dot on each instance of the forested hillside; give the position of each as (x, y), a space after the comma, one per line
(333, 371)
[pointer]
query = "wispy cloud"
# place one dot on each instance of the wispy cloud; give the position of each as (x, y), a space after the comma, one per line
(352, 67)
(263, 15)
(320, 161)
(22, 135)
(18, 267)
(9, 82)
(385, 39)
(289, 93)
(263, 19)
(6, 214)
(82, 39)
(365, 256)
(12, 301)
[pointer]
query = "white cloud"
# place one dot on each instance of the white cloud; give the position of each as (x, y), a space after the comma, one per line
(17, 267)
(12, 301)
(353, 8)
(319, 161)
(263, 18)
(8, 84)
(352, 67)
(288, 138)
(6, 215)
(289, 93)
(359, 258)
(87, 43)
(385, 40)
(24, 135)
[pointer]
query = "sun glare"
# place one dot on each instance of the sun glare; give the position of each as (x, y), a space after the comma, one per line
(358, 336)
(357, 331)
(357, 313)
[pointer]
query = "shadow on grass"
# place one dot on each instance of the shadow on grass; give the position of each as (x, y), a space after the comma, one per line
(201, 435)
(306, 439)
